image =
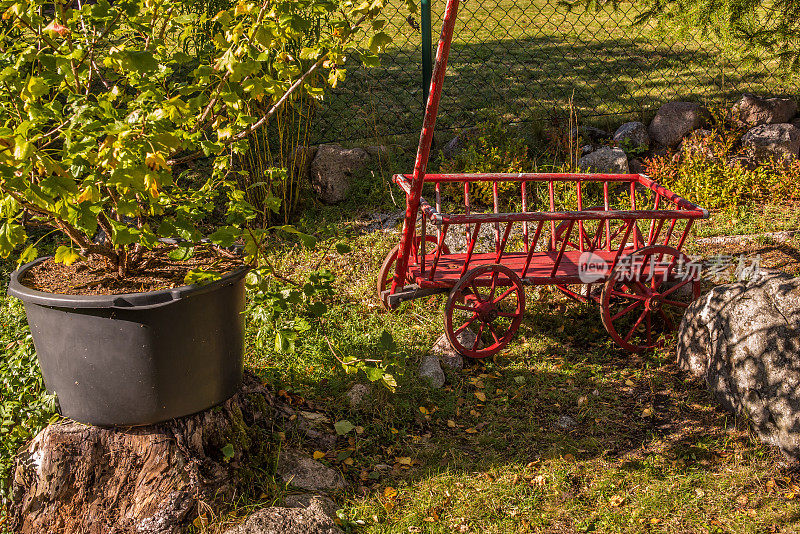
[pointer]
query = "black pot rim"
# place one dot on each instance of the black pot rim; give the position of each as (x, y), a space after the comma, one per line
(149, 299)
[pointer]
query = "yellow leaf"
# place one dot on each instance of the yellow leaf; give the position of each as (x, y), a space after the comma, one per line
(629, 382)
(394, 430)
(451, 423)
(481, 396)
(156, 161)
(359, 430)
(403, 460)
(616, 501)
(423, 410)
(647, 412)
(318, 455)
(348, 461)
(471, 431)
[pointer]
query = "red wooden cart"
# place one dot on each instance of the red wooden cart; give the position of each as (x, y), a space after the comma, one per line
(614, 239)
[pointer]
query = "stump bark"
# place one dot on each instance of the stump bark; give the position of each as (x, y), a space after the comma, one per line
(80, 479)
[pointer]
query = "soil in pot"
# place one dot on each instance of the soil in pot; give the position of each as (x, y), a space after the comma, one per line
(96, 277)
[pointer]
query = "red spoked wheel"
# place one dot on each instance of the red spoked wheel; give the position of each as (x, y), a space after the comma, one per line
(386, 274)
(488, 302)
(645, 296)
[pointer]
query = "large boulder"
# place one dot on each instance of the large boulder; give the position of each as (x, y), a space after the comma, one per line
(754, 111)
(769, 140)
(743, 340)
(332, 171)
(607, 159)
(304, 515)
(632, 136)
(674, 120)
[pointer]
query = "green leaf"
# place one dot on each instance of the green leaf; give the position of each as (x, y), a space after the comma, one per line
(308, 240)
(343, 248)
(67, 255)
(201, 277)
(343, 427)
(225, 236)
(11, 235)
(285, 341)
(227, 451)
(182, 253)
(140, 61)
(379, 41)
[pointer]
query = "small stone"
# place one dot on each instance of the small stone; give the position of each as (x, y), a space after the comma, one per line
(752, 110)
(303, 514)
(632, 136)
(637, 166)
(332, 170)
(565, 422)
(358, 395)
(605, 160)
(773, 140)
(674, 120)
(430, 369)
(461, 141)
(303, 472)
(590, 134)
(447, 354)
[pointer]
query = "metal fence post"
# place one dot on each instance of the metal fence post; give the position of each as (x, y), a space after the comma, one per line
(427, 53)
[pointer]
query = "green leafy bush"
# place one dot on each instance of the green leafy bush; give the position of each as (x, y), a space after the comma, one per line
(494, 150)
(25, 406)
(100, 102)
(714, 172)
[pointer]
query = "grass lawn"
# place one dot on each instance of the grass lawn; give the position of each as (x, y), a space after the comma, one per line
(562, 432)
(524, 59)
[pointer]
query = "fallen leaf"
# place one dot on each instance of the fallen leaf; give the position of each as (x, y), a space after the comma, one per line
(343, 427)
(451, 423)
(629, 382)
(319, 455)
(423, 410)
(616, 501)
(471, 431)
(403, 460)
(481, 396)
(348, 461)
(647, 412)
(359, 430)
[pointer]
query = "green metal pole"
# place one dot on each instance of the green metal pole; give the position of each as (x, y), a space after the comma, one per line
(427, 53)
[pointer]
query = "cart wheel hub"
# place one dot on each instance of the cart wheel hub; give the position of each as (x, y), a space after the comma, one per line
(654, 303)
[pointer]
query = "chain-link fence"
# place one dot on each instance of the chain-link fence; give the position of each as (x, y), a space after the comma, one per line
(523, 59)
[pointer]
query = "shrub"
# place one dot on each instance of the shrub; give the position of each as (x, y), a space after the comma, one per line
(715, 173)
(101, 101)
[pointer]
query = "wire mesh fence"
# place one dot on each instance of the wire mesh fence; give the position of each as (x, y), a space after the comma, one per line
(520, 59)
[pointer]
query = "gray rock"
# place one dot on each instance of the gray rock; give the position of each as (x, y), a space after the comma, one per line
(767, 140)
(743, 340)
(632, 135)
(674, 120)
(461, 141)
(586, 149)
(358, 395)
(605, 160)
(590, 134)
(447, 354)
(430, 369)
(332, 171)
(306, 515)
(637, 166)
(751, 110)
(565, 422)
(456, 238)
(303, 472)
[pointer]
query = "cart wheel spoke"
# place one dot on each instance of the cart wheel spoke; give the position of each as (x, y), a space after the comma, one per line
(504, 295)
(635, 326)
(628, 296)
(494, 286)
(466, 325)
(463, 307)
(627, 310)
(477, 337)
(676, 287)
(494, 334)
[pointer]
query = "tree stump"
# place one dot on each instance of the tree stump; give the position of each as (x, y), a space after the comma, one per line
(74, 478)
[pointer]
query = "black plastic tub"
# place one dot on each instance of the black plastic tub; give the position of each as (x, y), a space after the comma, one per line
(138, 358)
